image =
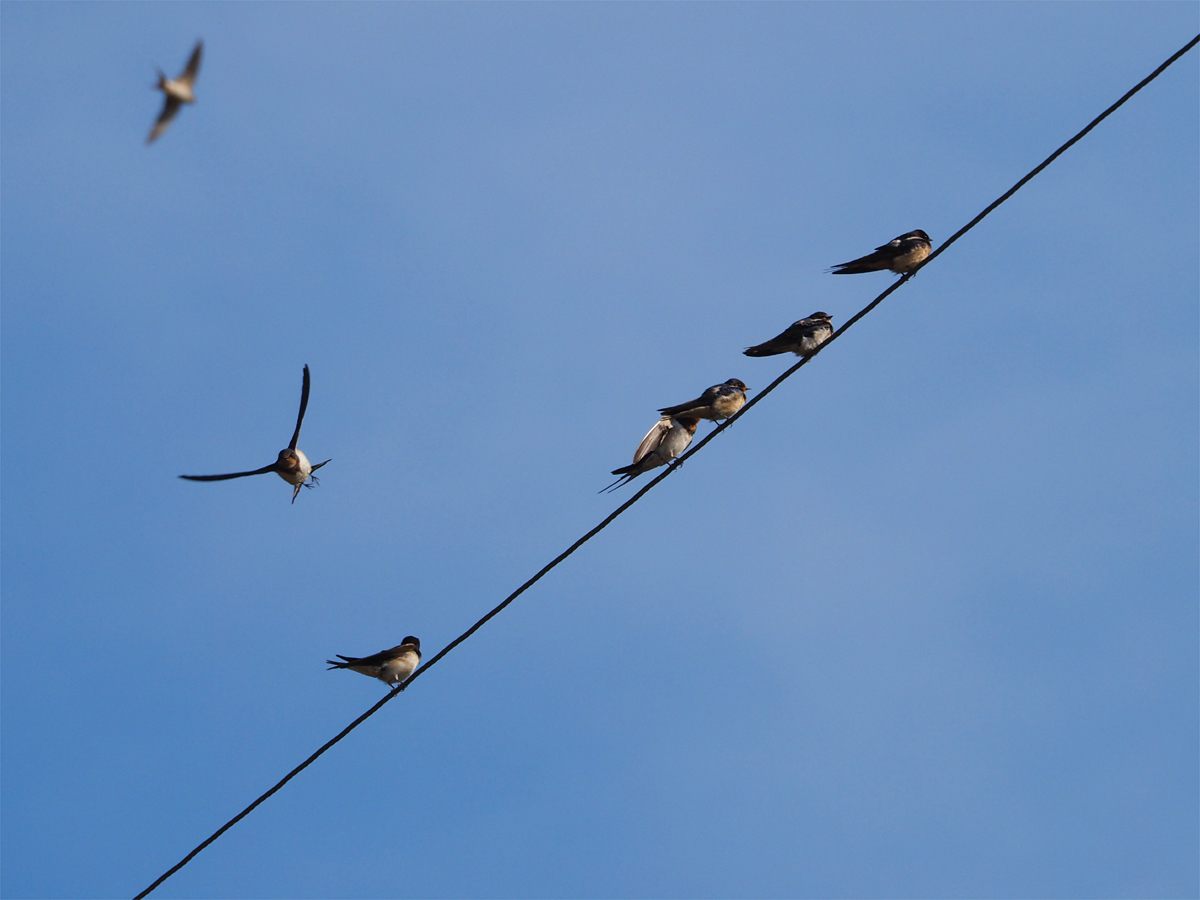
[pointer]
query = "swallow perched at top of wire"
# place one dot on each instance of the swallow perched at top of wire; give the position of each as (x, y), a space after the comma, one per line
(177, 90)
(389, 666)
(662, 443)
(901, 255)
(292, 465)
(802, 337)
(719, 402)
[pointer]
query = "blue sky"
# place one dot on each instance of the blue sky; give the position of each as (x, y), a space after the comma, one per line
(923, 624)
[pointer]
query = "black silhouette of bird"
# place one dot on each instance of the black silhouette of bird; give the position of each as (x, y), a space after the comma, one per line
(292, 465)
(901, 255)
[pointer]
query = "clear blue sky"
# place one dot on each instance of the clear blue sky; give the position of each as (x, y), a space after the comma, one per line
(923, 624)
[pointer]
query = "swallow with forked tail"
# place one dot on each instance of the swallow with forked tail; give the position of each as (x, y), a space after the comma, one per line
(719, 402)
(901, 255)
(389, 666)
(292, 465)
(664, 442)
(178, 91)
(802, 337)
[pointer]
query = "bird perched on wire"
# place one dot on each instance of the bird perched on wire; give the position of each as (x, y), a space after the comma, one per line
(662, 443)
(719, 402)
(901, 255)
(802, 337)
(389, 666)
(292, 465)
(177, 90)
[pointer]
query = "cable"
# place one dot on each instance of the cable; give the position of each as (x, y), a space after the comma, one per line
(667, 471)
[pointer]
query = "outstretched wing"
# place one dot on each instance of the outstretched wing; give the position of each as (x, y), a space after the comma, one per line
(303, 407)
(170, 107)
(263, 471)
(193, 65)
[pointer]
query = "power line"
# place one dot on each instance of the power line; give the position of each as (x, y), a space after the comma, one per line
(667, 471)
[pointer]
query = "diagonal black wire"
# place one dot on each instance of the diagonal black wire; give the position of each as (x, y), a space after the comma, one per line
(667, 471)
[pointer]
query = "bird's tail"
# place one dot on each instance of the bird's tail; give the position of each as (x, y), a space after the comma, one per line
(762, 350)
(626, 477)
(334, 664)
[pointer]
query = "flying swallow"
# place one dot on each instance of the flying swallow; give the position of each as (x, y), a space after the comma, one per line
(901, 255)
(662, 443)
(719, 402)
(802, 338)
(177, 90)
(292, 465)
(389, 666)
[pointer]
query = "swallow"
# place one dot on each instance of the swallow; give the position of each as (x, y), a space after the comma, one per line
(901, 255)
(389, 666)
(292, 465)
(802, 338)
(177, 90)
(719, 402)
(662, 443)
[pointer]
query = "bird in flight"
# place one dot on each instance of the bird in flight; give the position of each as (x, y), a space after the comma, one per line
(662, 443)
(802, 337)
(292, 465)
(719, 402)
(389, 666)
(177, 90)
(901, 255)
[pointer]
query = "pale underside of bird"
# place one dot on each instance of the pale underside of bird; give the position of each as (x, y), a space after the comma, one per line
(292, 465)
(803, 337)
(177, 91)
(901, 255)
(718, 402)
(392, 667)
(665, 441)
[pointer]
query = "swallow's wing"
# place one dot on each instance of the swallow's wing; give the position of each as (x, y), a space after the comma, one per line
(193, 65)
(263, 471)
(701, 402)
(375, 659)
(781, 343)
(652, 440)
(170, 107)
(872, 262)
(303, 407)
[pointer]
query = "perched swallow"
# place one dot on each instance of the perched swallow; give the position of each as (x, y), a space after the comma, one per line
(719, 402)
(802, 338)
(662, 443)
(178, 91)
(292, 465)
(389, 666)
(900, 254)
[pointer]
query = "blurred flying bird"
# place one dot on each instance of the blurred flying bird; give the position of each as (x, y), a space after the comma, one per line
(177, 90)
(662, 443)
(802, 337)
(719, 402)
(389, 666)
(292, 465)
(900, 254)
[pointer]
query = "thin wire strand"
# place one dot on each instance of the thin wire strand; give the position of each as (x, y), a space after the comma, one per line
(670, 469)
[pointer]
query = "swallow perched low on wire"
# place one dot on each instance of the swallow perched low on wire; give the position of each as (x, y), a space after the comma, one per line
(901, 255)
(292, 465)
(719, 402)
(802, 337)
(177, 90)
(662, 443)
(389, 666)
